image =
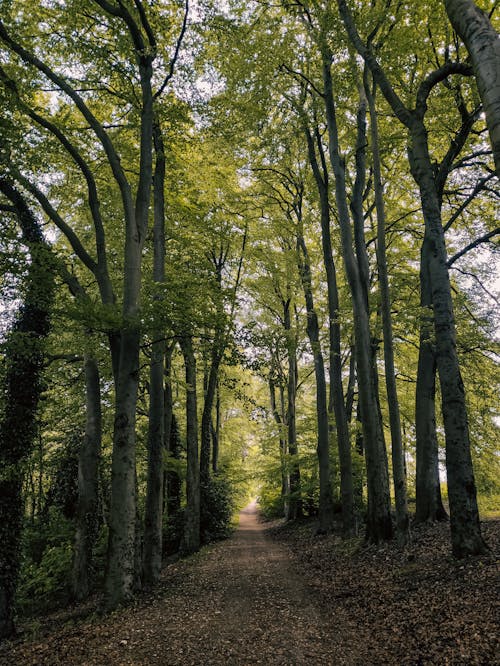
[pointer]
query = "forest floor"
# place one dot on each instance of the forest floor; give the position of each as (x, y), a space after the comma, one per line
(276, 594)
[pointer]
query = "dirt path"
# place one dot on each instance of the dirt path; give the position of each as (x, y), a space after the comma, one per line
(238, 602)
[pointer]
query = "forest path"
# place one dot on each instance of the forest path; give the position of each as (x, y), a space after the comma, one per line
(237, 602)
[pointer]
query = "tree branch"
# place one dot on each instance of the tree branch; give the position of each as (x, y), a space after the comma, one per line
(62, 84)
(175, 57)
(471, 246)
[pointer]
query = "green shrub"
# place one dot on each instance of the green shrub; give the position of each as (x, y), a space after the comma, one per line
(216, 509)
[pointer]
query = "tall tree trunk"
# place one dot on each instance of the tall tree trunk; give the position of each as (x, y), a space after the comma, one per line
(173, 480)
(153, 518)
(279, 417)
(323, 446)
(464, 517)
(398, 466)
(87, 521)
(191, 538)
(336, 406)
(483, 44)
(216, 432)
(379, 524)
(429, 504)
(119, 581)
(295, 499)
(23, 370)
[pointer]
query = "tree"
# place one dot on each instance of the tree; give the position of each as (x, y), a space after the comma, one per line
(23, 386)
(465, 528)
(483, 44)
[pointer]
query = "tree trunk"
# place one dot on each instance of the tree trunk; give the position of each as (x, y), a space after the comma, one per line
(191, 538)
(216, 432)
(336, 406)
(173, 481)
(323, 446)
(464, 517)
(22, 388)
(153, 518)
(295, 495)
(398, 466)
(279, 417)
(87, 522)
(379, 524)
(483, 44)
(119, 582)
(429, 504)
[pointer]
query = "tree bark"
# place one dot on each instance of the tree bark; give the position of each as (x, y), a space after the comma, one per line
(336, 406)
(379, 524)
(153, 518)
(429, 504)
(464, 517)
(191, 538)
(279, 418)
(398, 466)
(295, 495)
(87, 523)
(323, 446)
(483, 44)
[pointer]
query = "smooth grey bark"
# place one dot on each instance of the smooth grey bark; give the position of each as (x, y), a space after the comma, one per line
(398, 465)
(153, 517)
(464, 516)
(429, 504)
(295, 498)
(279, 417)
(216, 431)
(24, 356)
(323, 443)
(191, 538)
(483, 44)
(379, 524)
(87, 516)
(336, 405)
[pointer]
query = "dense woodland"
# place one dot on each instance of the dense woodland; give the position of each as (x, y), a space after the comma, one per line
(247, 248)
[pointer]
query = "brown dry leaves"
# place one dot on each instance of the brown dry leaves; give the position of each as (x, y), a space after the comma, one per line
(291, 599)
(418, 606)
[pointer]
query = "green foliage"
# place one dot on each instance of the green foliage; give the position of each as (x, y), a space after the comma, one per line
(216, 509)
(46, 564)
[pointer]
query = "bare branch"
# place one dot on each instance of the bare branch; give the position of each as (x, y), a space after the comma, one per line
(175, 57)
(471, 246)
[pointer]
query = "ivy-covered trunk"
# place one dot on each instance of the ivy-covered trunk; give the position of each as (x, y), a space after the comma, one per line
(87, 518)
(24, 355)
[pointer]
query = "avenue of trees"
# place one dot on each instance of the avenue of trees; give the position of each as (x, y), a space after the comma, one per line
(245, 247)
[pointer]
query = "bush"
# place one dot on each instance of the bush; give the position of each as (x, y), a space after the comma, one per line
(173, 532)
(216, 509)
